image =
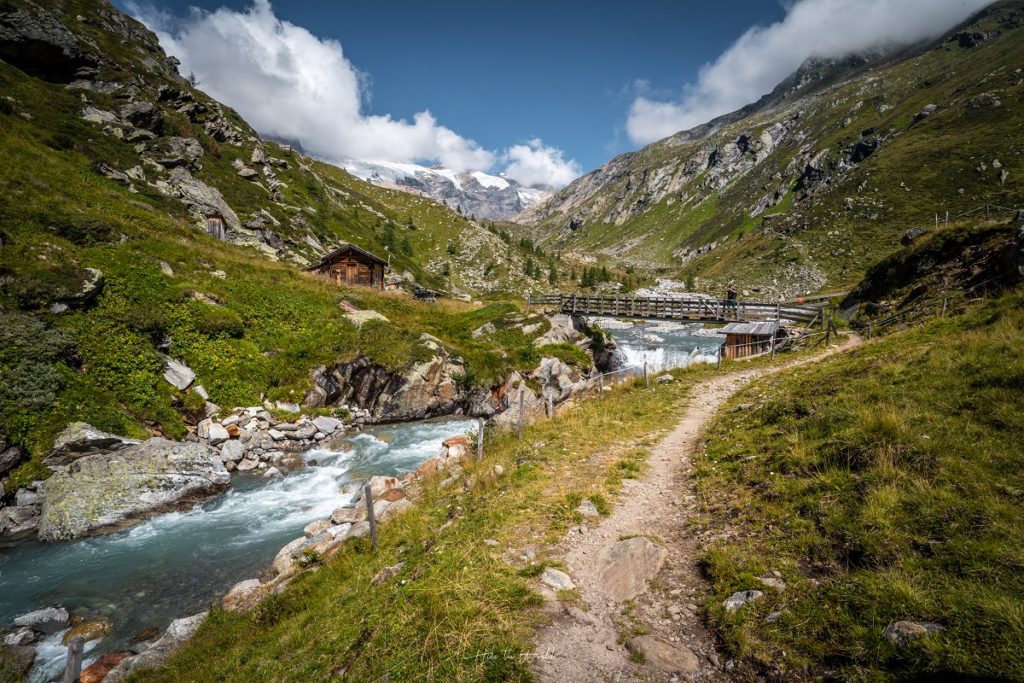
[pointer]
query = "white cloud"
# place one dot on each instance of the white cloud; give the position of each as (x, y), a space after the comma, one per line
(538, 164)
(765, 55)
(291, 84)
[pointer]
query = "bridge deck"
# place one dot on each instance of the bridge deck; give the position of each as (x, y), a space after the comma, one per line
(668, 308)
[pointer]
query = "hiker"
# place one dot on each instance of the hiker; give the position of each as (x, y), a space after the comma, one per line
(730, 297)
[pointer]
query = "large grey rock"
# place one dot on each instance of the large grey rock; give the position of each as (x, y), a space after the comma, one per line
(178, 151)
(90, 286)
(9, 459)
(664, 656)
(626, 566)
(176, 635)
(80, 439)
(563, 330)
(218, 434)
(45, 620)
(143, 115)
(327, 425)
(179, 374)
(232, 451)
(200, 198)
(21, 636)
(17, 520)
(109, 491)
(36, 42)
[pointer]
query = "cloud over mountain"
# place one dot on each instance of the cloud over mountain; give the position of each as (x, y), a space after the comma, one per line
(764, 55)
(292, 84)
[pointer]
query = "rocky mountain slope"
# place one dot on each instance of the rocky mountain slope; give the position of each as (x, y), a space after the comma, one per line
(92, 86)
(152, 244)
(807, 187)
(472, 193)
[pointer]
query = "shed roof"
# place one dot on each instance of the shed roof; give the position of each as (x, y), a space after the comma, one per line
(765, 329)
(343, 248)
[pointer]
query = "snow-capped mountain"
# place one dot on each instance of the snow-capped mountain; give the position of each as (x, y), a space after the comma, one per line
(476, 193)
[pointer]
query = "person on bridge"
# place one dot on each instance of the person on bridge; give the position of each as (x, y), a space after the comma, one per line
(730, 296)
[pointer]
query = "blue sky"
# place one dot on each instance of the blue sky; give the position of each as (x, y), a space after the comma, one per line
(558, 86)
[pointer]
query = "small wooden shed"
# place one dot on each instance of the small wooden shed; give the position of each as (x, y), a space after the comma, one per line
(743, 340)
(350, 265)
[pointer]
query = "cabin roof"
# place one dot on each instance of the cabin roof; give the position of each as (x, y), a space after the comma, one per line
(765, 329)
(343, 248)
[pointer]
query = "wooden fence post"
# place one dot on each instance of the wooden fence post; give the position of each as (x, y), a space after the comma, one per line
(773, 348)
(869, 330)
(480, 439)
(828, 332)
(945, 301)
(522, 410)
(370, 517)
(720, 356)
(73, 665)
(551, 406)
(647, 383)
(600, 387)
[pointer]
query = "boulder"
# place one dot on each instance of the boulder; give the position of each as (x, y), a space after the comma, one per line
(393, 495)
(143, 115)
(664, 656)
(739, 599)
(349, 515)
(88, 631)
(178, 374)
(556, 580)
(902, 633)
(218, 434)
(112, 490)
(626, 566)
(20, 658)
(46, 620)
(98, 671)
(232, 451)
(316, 528)
(98, 116)
(176, 635)
(199, 197)
(911, 235)
(663, 379)
(563, 330)
(379, 484)
(20, 636)
(81, 438)
(247, 464)
(16, 520)
(358, 318)
(244, 596)
(588, 509)
(272, 473)
(327, 425)
(176, 151)
(483, 330)
(91, 285)
(9, 459)
(284, 563)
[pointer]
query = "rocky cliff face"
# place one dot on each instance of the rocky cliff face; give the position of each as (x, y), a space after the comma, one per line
(819, 178)
(472, 193)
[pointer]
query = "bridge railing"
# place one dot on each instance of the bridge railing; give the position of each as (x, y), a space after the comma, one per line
(672, 308)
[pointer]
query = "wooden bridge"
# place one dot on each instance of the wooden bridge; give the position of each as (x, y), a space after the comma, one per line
(669, 308)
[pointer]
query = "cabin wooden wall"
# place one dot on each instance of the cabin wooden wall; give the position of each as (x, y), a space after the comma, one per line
(744, 345)
(348, 270)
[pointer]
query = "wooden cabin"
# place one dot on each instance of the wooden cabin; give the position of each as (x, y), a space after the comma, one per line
(743, 340)
(350, 265)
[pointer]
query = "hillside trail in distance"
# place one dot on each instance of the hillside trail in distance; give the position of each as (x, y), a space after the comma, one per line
(582, 642)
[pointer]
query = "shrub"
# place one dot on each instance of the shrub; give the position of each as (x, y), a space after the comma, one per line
(86, 232)
(218, 322)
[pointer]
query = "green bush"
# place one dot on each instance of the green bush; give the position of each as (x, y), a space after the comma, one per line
(218, 323)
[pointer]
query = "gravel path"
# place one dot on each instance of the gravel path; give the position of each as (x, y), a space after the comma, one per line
(582, 643)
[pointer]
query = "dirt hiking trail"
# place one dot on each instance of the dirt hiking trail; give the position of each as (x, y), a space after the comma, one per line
(611, 563)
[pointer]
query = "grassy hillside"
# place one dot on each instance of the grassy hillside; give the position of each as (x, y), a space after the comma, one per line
(884, 486)
(846, 168)
(241, 313)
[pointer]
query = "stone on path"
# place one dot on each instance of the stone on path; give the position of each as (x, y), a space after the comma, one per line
(626, 566)
(556, 579)
(664, 656)
(588, 509)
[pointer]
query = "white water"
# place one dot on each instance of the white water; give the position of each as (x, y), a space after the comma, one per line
(661, 345)
(177, 564)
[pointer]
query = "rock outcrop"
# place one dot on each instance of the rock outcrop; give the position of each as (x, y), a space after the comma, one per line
(79, 439)
(422, 390)
(111, 490)
(176, 635)
(36, 42)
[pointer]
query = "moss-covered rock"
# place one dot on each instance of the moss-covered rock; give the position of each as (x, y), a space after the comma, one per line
(112, 490)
